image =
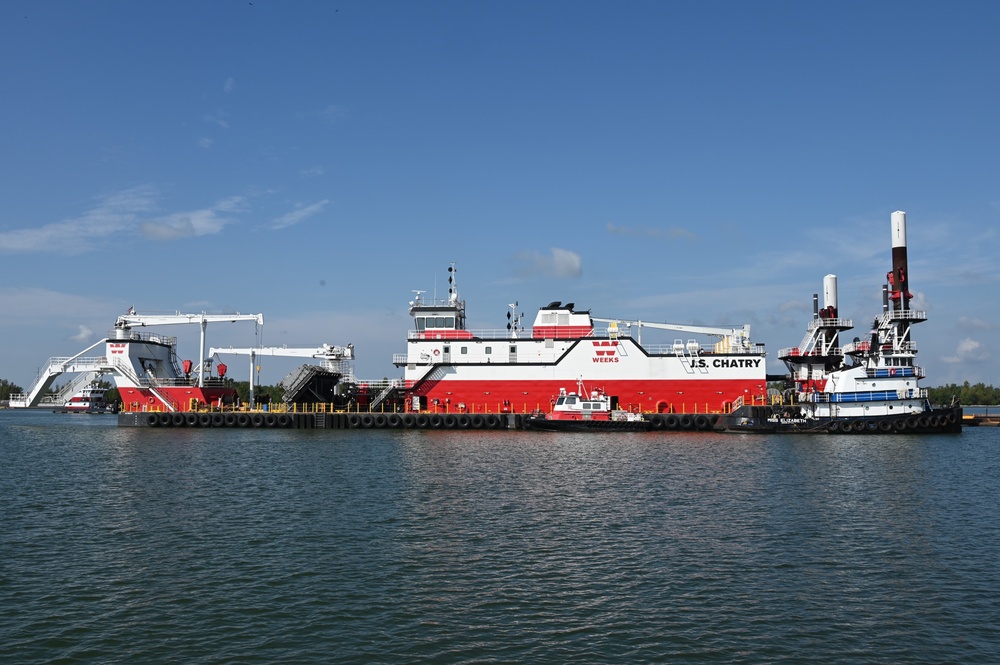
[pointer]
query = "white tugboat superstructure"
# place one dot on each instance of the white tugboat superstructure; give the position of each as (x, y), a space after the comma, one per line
(870, 384)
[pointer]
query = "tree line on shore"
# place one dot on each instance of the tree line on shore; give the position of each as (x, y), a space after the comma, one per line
(969, 394)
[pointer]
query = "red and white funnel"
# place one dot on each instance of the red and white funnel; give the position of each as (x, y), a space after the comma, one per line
(899, 277)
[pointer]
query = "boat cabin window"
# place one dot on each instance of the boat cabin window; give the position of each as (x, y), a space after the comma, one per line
(435, 323)
(489, 350)
(463, 350)
(570, 400)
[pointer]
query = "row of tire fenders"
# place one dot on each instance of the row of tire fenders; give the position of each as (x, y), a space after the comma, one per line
(334, 420)
(923, 422)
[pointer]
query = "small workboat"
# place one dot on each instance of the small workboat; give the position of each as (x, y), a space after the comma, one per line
(586, 412)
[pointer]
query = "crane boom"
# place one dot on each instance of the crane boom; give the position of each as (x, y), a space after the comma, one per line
(741, 331)
(324, 352)
(132, 319)
(328, 353)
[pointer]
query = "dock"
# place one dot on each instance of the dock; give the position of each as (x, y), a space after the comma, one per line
(980, 420)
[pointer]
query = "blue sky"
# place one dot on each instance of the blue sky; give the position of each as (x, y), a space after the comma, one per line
(689, 162)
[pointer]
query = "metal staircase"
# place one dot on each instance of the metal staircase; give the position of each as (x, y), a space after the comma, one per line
(56, 367)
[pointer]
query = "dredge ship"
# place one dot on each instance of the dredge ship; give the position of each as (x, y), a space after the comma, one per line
(456, 377)
(869, 385)
(451, 369)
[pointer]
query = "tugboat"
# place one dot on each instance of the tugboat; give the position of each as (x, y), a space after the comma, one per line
(580, 412)
(88, 400)
(868, 386)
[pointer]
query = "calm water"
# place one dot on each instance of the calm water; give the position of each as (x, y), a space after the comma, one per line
(278, 546)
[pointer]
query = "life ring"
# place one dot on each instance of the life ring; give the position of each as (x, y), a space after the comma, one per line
(892, 372)
(437, 352)
(151, 400)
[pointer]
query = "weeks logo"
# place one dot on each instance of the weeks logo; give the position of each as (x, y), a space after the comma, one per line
(607, 351)
(116, 348)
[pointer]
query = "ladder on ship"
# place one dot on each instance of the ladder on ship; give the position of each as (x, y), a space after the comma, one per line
(125, 369)
(388, 390)
(57, 367)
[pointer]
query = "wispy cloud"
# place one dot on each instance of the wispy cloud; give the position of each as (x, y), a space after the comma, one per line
(206, 142)
(969, 350)
(313, 172)
(207, 221)
(219, 118)
(114, 214)
(967, 323)
(561, 263)
(300, 213)
(647, 232)
(229, 85)
(84, 334)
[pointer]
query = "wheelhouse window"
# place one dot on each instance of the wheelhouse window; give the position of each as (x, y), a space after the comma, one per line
(435, 323)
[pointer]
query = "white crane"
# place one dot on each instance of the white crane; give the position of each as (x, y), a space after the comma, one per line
(128, 321)
(739, 336)
(333, 357)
